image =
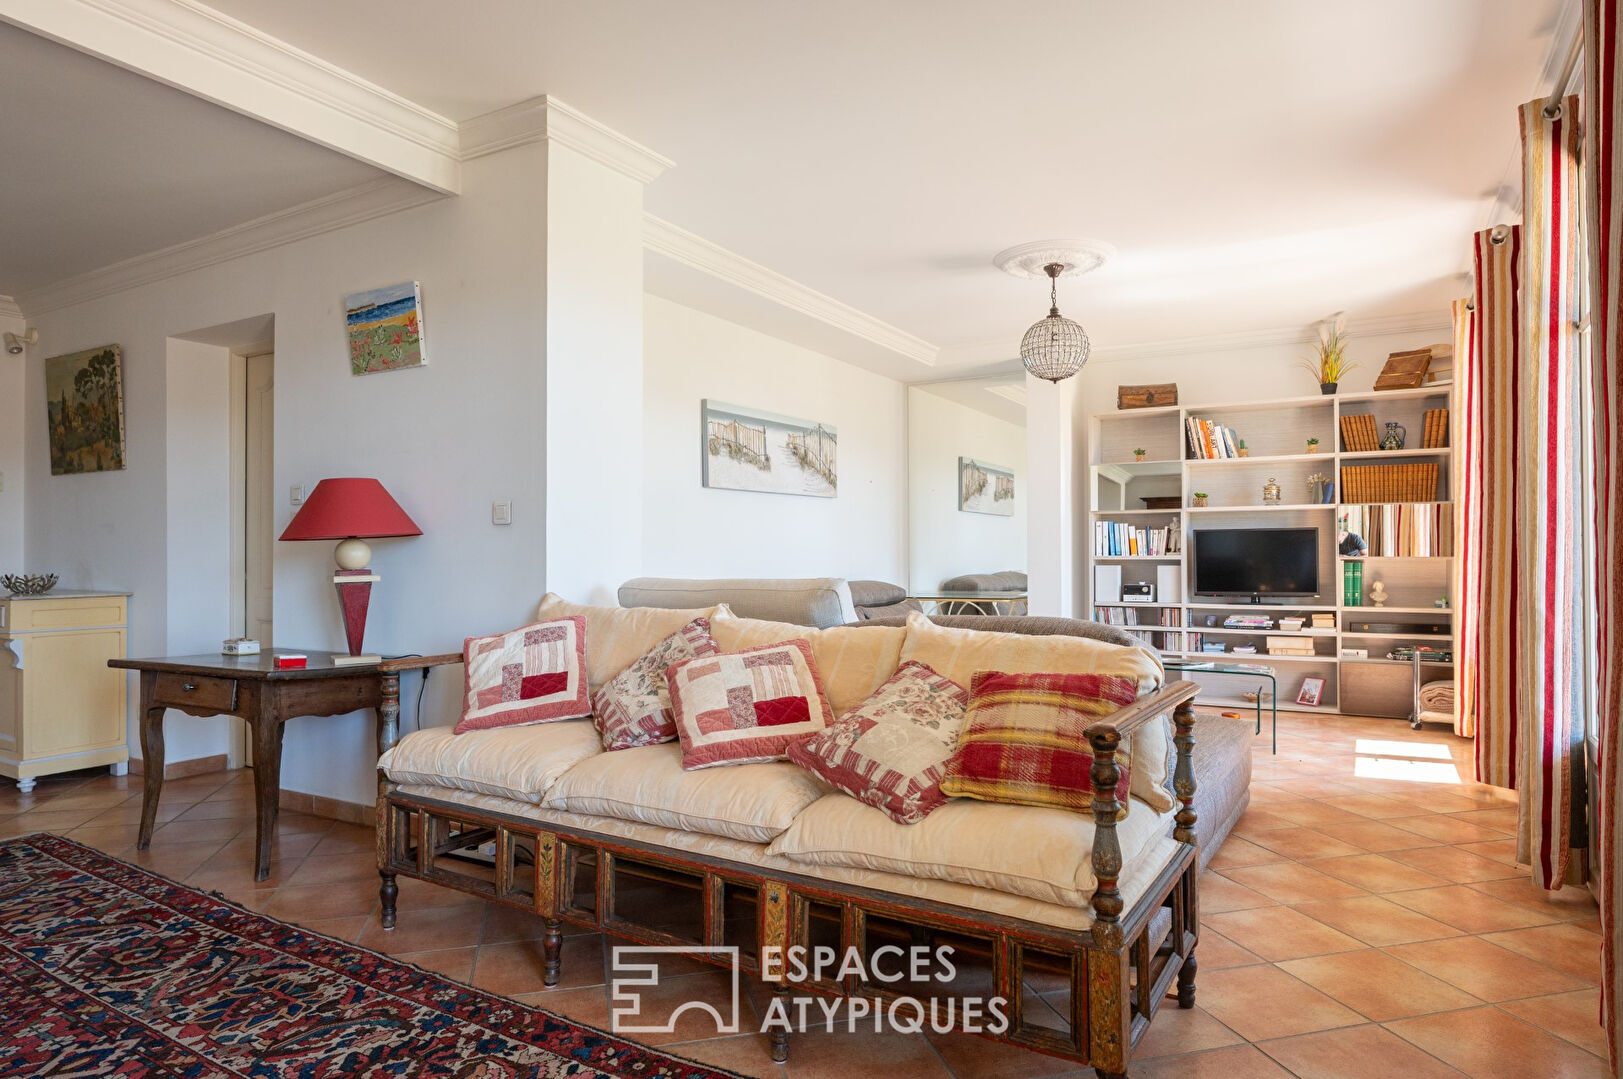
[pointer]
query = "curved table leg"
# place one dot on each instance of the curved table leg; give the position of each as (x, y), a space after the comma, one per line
(152, 761)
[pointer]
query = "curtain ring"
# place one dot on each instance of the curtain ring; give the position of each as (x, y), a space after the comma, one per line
(1552, 111)
(1499, 235)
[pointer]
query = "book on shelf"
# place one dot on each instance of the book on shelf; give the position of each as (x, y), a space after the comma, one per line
(1435, 435)
(1352, 583)
(1324, 620)
(1248, 621)
(1401, 529)
(1118, 539)
(1210, 441)
(1412, 482)
(1291, 625)
(1358, 434)
(1244, 649)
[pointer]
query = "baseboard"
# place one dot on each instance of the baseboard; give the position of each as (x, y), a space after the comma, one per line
(197, 766)
(317, 805)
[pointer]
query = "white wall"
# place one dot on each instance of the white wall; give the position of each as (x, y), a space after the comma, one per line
(13, 479)
(445, 440)
(693, 531)
(946, 541)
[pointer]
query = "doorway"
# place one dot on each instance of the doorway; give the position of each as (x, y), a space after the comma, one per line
(253, 514)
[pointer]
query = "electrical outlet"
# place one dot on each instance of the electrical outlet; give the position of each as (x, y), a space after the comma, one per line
(295, 494)
(501, 513)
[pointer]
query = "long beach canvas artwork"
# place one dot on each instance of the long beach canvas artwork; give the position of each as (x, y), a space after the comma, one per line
(746, 449)
(385, 328)
(985, 488)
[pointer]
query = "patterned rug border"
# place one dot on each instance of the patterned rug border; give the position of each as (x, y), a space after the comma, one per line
(75, 853)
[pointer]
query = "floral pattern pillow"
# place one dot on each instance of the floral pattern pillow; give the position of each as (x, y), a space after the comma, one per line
(634, 707)
(891, 750)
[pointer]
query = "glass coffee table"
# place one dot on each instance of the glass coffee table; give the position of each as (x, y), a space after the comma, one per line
(1257, 671)
(1011, 602)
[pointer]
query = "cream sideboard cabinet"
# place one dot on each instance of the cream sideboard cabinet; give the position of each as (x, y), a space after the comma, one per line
(61, 707)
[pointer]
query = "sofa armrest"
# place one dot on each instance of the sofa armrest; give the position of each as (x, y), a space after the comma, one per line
(389, 695)
(417, 663)
(1103, 740)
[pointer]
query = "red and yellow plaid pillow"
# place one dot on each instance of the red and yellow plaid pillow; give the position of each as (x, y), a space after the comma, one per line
(1022, 741)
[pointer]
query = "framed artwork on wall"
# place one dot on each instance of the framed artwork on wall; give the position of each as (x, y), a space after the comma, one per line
(385, 329)
(985, 488)
(746, 449)
(1312, 691)
(84, 405)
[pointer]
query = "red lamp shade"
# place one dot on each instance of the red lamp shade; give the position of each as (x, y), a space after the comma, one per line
(349, 508)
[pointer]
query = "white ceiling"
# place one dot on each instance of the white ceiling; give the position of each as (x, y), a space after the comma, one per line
(1258, 163)
(1002, 397)
(98, 164)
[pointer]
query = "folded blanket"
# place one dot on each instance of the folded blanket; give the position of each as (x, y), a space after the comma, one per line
(1437, 696)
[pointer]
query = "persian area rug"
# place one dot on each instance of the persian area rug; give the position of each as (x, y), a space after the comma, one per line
(107, 969)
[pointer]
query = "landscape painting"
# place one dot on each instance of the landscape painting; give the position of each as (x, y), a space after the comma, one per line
(985, 488)
(385, 329)
(746, 449)
(84, 399)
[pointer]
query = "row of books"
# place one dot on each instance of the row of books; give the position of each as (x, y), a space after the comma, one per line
(1403, 530)
(1352, 583)
(1285, 645)
(1435, 435)
(1130, 616)
(1389, 483)
(1117, 538)
(1211, 441)
(1358, 434)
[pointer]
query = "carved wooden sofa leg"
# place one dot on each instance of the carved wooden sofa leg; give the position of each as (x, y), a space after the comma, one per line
(1186, 982)
(780, 1033)
(389, 895)
(552, 950)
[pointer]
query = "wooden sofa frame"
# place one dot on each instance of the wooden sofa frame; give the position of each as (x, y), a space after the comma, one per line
(1120, 969)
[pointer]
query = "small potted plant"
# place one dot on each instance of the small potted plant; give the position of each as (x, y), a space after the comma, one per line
(1139, 455)
(1313, 445)
(1200, 498)
(1329, 363)
(1241, 448)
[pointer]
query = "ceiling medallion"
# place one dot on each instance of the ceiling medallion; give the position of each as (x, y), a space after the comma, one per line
(1056, 347)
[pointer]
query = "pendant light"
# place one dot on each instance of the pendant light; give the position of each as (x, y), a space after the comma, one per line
(1056, 347)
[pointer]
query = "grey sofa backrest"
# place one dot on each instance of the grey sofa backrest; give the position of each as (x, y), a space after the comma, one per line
(1041, 626)
(1007, 580)
(818, 602)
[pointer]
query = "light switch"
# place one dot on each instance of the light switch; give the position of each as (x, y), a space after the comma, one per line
(501, 513)
(295, 494)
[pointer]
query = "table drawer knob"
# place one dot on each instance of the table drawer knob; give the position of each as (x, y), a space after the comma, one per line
(189, 686)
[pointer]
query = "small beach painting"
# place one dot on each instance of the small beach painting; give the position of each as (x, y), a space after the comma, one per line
(746, 449)
(84, 407)
(385, 329)
(985, 488)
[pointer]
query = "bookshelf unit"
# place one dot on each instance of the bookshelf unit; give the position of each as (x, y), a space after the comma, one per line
(1183, 625)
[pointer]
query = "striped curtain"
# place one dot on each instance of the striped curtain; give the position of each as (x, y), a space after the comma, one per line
(1465, 435)
(1603, 164)
(1485, 591)
(1549, 693)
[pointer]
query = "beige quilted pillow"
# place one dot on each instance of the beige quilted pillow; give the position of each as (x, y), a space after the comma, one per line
(616, 637)
(852, 661)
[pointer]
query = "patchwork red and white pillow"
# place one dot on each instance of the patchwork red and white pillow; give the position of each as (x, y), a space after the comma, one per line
(634, 707)
(749, 706)
(1022, 742)
(891, 751)
(535, 674)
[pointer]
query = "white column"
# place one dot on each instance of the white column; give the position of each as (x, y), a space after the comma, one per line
(1052, 502)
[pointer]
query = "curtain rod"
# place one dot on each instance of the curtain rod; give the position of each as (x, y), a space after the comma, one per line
(1552, 104)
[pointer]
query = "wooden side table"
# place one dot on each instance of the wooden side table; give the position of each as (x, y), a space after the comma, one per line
(252, 688)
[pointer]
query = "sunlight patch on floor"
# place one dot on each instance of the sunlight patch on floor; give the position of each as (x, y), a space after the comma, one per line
(1421, 750)
(1410, 770)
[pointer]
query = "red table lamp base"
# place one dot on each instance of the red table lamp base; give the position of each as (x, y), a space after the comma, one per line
(354, 596)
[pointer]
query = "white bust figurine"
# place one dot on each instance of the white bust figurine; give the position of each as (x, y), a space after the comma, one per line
(1377, 594)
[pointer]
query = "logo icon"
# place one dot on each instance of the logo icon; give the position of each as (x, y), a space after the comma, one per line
(625, 1014)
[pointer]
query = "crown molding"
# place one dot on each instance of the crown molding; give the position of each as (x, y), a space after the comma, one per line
(203, 52)
(1386, 325)
(326, 214)
(678, 244)
(9, 308)
(546, 117)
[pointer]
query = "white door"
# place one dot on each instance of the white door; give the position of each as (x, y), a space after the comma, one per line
(259, 513)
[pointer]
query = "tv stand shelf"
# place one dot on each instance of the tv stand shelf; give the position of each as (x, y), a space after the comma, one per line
(1277, 431)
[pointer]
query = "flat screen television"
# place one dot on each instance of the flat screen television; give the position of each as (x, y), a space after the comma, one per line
(1257, 562)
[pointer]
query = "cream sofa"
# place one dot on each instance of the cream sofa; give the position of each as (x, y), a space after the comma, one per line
(554, 809)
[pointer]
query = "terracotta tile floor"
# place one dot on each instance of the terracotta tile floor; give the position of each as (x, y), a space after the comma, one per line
(1366, 918)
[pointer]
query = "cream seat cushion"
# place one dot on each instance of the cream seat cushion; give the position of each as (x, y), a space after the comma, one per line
(616, 637)
(853, 662)
(959, 653)
(753, 802)
(1044, 854)
(521, 763)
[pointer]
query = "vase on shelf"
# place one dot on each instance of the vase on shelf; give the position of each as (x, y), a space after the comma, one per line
(1327, 388)
(1396, 436)
(1271, 492)
(1200, 500)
